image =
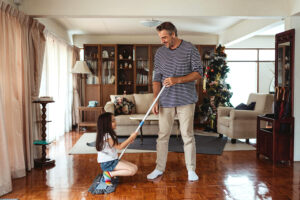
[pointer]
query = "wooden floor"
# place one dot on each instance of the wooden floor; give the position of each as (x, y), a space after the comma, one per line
(233, 175)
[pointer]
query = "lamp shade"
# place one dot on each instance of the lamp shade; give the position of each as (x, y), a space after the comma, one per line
(81, 68)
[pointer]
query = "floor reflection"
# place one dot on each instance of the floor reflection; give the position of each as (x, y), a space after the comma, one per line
(245, 187)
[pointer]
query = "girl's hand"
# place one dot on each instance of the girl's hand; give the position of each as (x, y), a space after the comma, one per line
(133, 136)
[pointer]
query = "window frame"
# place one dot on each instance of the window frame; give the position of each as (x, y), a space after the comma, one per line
(256, 61)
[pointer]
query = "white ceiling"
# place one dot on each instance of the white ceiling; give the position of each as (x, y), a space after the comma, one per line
(132, 25)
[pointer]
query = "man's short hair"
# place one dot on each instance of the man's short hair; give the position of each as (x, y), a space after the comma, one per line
(168, 26)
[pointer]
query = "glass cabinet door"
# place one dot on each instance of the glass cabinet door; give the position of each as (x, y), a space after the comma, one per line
(142, 69)
(91, 58)
(108, 65)
(125, 71)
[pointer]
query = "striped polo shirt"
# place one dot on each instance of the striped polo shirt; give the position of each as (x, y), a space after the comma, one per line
(181, 61)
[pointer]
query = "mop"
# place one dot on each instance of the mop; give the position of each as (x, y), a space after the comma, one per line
(99, 187)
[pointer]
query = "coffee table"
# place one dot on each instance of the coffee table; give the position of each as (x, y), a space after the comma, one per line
(151, 117)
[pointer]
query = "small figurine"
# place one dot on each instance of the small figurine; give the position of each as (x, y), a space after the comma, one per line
(104, 54)
(112, 54)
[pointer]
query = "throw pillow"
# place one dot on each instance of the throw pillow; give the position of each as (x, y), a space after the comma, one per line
(243, 106)
(143, 102)
(123, 106)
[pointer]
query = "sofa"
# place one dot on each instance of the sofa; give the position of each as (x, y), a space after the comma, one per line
(142, 102)
(241, 124)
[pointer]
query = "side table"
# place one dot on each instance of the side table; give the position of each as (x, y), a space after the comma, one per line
(43, 161)
(96, 110)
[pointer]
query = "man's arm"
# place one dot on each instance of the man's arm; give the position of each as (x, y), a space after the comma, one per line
(156, 88)
(182, 79)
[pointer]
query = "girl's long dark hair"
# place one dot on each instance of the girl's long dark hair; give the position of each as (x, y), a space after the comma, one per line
(103, 127)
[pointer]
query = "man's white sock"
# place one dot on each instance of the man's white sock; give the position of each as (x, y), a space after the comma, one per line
(154, 174)
(192, 176)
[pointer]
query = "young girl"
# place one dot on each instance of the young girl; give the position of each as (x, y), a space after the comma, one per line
(107, 145)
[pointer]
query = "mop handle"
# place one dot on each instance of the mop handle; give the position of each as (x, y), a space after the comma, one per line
(142, 122)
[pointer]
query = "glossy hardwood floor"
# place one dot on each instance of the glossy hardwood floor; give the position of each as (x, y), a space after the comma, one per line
(233, 175)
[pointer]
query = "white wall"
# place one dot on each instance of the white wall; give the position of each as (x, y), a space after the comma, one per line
(55, 28)
(295, 7)
(79, 40)
(255, 42)
(295, 23)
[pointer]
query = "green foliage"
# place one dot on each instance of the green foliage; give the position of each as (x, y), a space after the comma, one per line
(216, 90)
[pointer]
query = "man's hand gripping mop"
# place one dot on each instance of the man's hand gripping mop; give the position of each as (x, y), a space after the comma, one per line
(145, 117)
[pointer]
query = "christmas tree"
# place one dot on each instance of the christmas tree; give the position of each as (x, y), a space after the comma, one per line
(215, 89)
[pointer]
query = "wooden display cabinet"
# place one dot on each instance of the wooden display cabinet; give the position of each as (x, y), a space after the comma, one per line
(142, 69)
(277, 140)
(108, 72)
(92, 81)
(92, 86)
(153, 49)
(125, 69)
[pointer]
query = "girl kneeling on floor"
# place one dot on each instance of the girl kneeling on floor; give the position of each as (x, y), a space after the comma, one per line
(107, 145)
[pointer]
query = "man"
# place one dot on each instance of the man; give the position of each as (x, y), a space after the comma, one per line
(177, 66)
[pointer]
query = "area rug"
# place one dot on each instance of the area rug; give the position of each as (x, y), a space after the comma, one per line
(205, 144)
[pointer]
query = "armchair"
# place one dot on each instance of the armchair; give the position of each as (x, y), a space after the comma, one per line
(241, 124)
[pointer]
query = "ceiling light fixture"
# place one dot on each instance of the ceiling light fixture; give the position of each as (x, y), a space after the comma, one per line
(150, 22)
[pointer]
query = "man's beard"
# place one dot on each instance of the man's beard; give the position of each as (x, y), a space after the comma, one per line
(171, 44)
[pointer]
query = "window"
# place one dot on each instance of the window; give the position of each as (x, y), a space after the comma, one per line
(251, 71)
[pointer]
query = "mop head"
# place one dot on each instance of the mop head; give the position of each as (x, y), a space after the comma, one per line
(100, 187)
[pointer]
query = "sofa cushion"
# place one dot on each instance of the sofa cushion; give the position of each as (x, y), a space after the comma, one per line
(109, 107)
(225, 121)
(124, 120)
(123, 106)
(143, 102)
(140, 117)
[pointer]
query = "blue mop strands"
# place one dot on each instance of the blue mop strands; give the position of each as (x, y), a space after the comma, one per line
(146, 115)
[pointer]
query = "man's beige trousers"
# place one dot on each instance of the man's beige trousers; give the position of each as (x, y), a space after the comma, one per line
(186, 120)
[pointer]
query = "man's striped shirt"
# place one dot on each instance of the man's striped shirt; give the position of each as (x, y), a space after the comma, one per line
(181, 61)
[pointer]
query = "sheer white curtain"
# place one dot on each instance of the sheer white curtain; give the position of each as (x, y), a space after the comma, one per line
(57, 83)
